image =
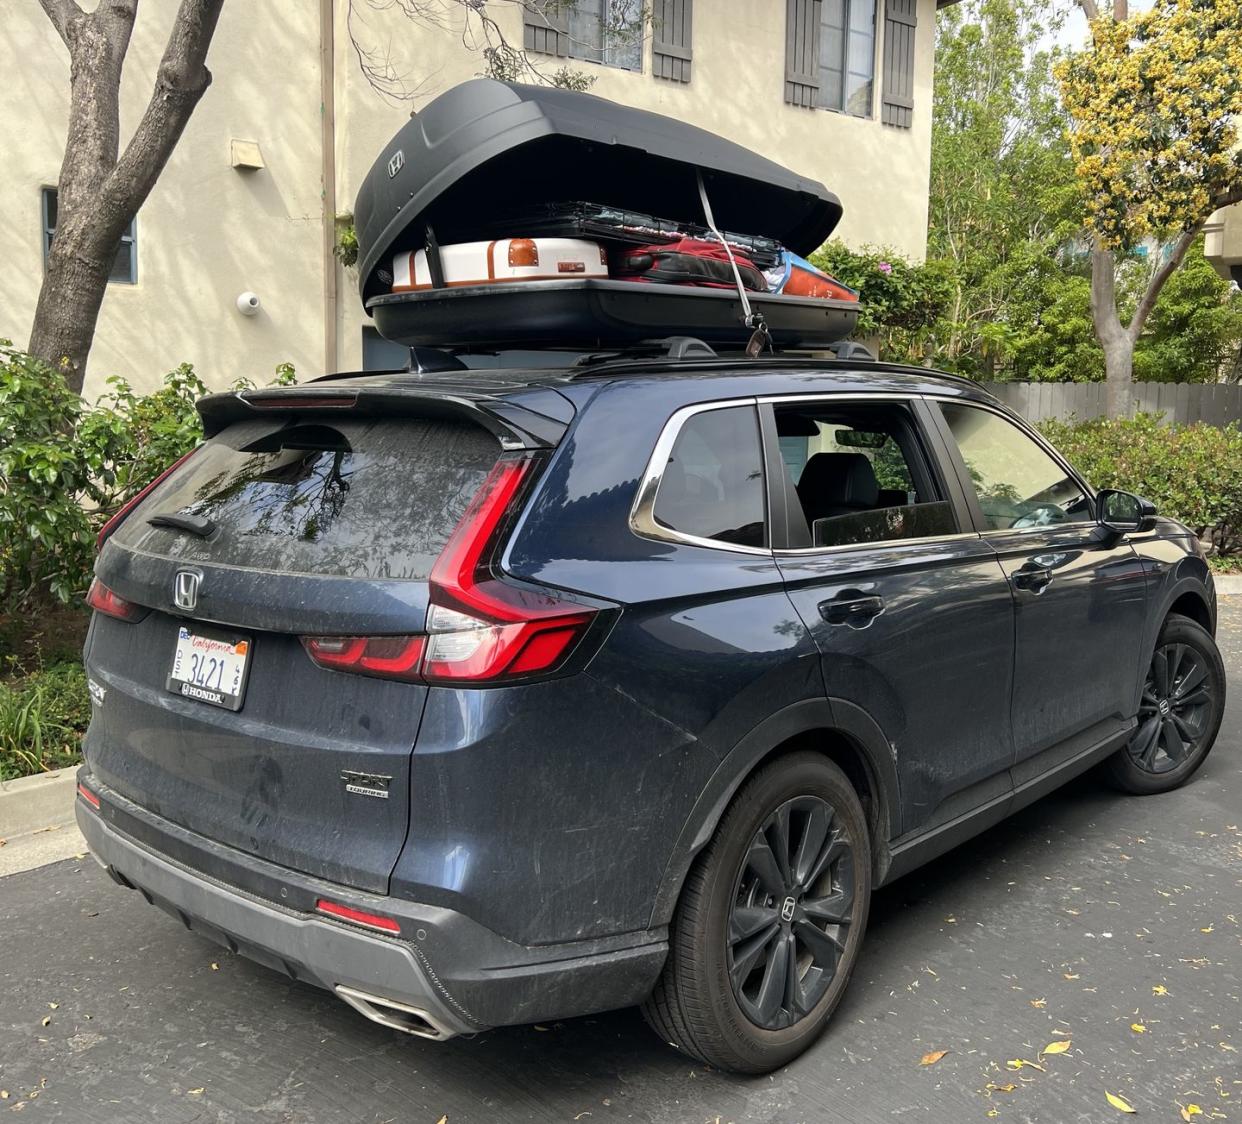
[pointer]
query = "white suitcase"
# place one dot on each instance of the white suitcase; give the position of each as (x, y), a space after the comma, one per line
(507, 259)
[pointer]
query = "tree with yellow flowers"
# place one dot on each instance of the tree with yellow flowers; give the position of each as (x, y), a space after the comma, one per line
(1154, 103)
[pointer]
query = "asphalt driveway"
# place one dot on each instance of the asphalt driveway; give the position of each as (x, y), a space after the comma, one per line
(1112, 923)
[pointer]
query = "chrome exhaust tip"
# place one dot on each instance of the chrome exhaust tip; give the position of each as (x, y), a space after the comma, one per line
(394, 1014)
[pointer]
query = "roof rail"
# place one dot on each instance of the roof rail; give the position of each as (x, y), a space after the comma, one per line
(849, 349)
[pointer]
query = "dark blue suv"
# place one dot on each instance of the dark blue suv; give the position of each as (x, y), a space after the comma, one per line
(494, 697)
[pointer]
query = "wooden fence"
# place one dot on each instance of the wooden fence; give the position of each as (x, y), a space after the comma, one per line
(1215, 404)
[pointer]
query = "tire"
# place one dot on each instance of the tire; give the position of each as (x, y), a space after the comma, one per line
(1182, 706)
(804, 804)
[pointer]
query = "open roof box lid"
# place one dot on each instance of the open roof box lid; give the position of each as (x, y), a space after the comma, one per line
(486, 149)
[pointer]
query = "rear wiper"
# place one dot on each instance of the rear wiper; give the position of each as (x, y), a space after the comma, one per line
(196, 524)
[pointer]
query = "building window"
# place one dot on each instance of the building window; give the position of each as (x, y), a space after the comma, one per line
(847, 56)
(608, 32)
(124, 265)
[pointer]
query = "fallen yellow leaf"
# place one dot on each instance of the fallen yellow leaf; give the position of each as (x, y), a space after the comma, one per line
(1071, 975)
(1138, 1028)
(1056, 1047)
(1191, 1110)
(1039, 1004)
(1160, 989)
(1118, 1103)
(1209, 929)
(442, 1120)
(933, 1057)
(214, 966)
(1020, 1063)
(199, 1091)
(47, 1019)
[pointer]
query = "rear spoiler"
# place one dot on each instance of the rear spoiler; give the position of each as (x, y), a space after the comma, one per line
(531, 418)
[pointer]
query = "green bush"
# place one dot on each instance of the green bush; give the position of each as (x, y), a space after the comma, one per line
(1190, 472)
(42, 717)
(66, 468)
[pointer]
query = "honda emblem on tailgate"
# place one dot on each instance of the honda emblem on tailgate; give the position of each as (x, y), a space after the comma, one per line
(185, 590)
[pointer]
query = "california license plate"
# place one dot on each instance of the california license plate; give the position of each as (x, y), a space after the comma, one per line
(210, 668)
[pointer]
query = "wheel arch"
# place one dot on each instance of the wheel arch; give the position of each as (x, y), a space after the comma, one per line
(843, 732)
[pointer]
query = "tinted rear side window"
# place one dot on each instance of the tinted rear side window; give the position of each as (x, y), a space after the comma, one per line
(712, 486)
(360, 498)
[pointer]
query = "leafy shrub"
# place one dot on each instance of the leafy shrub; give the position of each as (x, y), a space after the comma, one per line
(1191, 472)
(900, 301)
(42, 718)
(66, 468)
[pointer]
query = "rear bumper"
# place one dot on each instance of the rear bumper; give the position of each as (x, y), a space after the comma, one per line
(445, 974)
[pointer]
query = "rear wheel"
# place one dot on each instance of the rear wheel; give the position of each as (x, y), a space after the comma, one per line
(770, 921)
(1180, 712)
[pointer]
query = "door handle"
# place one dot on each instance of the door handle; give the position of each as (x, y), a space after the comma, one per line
(1035, 579)
(852, 608)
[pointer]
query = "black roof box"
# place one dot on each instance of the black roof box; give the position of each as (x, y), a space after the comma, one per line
(484, 144)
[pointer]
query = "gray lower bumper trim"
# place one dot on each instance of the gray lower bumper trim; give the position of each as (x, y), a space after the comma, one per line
(325, 953)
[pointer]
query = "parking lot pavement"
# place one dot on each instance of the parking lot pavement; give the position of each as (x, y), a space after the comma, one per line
(1109, 922)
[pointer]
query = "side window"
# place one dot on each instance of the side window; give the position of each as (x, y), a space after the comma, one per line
(712, 486)
(1018, 484)
(860, 474)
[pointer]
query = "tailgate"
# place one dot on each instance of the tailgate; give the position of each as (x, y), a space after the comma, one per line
(290, 526)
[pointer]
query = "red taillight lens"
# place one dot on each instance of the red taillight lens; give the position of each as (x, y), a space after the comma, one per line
(386, 657)
(479, 629)
(88, 796)
(100, 598)
(357, 916)
(119, 517)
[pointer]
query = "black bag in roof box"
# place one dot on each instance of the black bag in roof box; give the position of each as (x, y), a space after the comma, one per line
(484, 147)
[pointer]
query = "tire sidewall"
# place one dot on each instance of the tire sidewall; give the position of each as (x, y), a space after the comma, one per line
(760, 1049)
(1178, 630)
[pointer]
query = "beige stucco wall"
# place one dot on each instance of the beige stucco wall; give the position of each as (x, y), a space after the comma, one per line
(209, 232)
(1222, 244)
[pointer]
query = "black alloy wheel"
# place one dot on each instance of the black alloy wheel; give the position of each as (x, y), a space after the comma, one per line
(1180, 711)
(770, 920)
(791, 912)
(1175, 712)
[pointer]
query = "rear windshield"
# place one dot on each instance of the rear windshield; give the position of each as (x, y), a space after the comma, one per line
(360, 498)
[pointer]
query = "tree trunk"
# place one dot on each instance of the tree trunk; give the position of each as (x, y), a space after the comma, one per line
(1119, 373)
(99, 194)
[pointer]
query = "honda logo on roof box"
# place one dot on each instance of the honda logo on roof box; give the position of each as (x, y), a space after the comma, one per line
(396, 162)
(185, 590)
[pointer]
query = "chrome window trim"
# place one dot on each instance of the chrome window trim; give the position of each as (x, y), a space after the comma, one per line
(642, 513)
(883, 544)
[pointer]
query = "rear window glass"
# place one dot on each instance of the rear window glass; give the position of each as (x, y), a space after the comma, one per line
(359, 498)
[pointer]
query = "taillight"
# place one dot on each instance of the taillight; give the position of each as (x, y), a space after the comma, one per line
(357, 916)
(479, 629)
(119, 517)
(100, 598)
(386, 657)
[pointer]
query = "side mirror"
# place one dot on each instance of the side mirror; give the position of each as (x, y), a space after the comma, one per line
(1124, 513)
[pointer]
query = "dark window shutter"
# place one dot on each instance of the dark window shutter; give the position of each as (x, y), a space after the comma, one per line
(545, 27)
(900, 21)
(671, 40)
(802, 52)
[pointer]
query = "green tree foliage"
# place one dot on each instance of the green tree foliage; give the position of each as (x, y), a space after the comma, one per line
(65, 468)
(1002, 197)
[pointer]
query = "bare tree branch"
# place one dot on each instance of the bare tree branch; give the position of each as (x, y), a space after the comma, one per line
(180, 82)
(1152, 293)
(60, 12)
